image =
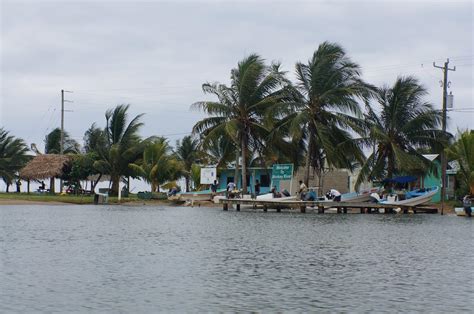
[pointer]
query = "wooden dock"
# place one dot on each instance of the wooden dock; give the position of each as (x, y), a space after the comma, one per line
(321, 207)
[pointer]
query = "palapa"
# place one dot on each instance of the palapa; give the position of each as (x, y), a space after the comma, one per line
(44, 166)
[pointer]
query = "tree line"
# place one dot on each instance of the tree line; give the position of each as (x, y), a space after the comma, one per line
(329, 117)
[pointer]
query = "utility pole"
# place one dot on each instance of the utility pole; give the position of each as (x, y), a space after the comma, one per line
(61, 143)
(445, 69)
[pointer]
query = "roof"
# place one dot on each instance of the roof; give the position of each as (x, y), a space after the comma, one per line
(44, 167)
(430, 157)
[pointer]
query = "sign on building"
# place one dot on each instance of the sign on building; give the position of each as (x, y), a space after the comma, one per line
(282, 172)
(208, 175)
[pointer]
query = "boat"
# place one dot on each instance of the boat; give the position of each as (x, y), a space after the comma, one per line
(412, 198)
(460, 211)
(270, 197)
(361, 196)
(205, 195)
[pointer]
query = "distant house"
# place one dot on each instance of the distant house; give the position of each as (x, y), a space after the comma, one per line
(334, 179)
(433, 178)
(263, 175)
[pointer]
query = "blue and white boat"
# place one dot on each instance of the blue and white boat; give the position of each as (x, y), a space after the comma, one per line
(412, 198)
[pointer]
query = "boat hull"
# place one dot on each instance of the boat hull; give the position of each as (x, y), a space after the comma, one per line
(362, 196)
(414, 201)
(460, 211)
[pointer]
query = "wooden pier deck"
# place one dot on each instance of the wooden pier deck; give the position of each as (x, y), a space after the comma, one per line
(321, 207)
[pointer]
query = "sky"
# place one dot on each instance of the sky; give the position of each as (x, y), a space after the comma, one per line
(155, 55)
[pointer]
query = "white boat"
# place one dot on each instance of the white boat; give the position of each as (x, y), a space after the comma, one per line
(206, 195)
(460, 211)
(412, 198)
(361, 196)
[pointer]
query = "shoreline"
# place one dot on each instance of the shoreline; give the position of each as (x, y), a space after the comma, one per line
(449, 208)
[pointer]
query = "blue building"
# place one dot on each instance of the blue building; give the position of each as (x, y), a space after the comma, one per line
(263, 175)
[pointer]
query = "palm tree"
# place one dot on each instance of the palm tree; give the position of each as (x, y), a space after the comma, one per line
(463, 152)
(219, 151)
(122, 147)
(322, 113)
(158, 165)
(52, 143)
(12, 156)
(187, 152)
(94, 139)
(240, 109)
(404, 125)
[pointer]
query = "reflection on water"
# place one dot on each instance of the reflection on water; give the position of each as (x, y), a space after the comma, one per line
(143, 259)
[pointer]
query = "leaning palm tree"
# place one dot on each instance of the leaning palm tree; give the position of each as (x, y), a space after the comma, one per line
(158, 164)
(240, 108)
(404, 125)
(187, 152)
(325, 109)
(12, 156)
(122, 145)
(463, 152)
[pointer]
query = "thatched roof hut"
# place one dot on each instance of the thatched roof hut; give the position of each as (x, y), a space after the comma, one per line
(44, 167)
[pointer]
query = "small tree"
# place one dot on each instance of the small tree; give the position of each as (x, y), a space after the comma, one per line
(158, 165)
(462, 151)
(187, 152)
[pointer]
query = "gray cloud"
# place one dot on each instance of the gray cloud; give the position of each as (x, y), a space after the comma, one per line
(156, 55)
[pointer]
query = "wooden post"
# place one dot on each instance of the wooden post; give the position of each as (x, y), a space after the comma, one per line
(344, 210)
(303, 209)
(320, 209)
(225, 206)
(278, 209)
(265, 207)
(338, 210)
(362, 210)
(369, 210)
(237, 207)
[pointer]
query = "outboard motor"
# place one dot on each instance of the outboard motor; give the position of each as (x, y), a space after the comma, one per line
(329, 196)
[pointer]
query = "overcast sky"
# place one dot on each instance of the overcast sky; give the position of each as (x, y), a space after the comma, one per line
(155, 55)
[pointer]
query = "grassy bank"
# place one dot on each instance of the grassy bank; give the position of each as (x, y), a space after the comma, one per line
(69, 199)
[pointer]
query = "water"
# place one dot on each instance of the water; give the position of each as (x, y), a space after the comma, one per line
(171, 259)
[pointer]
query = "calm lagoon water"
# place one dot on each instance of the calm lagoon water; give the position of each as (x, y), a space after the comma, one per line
(170, 259)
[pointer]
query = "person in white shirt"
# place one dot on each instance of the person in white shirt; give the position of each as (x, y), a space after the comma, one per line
(303, 190)
(230, 186)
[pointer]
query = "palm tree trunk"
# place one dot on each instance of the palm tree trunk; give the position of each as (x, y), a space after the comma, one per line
(308, 162)
(51, 186)
(186, 178)
(8, 188)
(115, 185)
(244, 164)
(236, 174)
(94, 184)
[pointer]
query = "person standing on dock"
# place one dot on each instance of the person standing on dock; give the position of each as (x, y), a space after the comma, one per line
(466, 202)
(303, 190)
(214, 187)
(257, 188)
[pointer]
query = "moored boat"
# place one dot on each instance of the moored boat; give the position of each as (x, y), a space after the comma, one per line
(412, 198)
(461, 212)
(361, 196)
(205, 195)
